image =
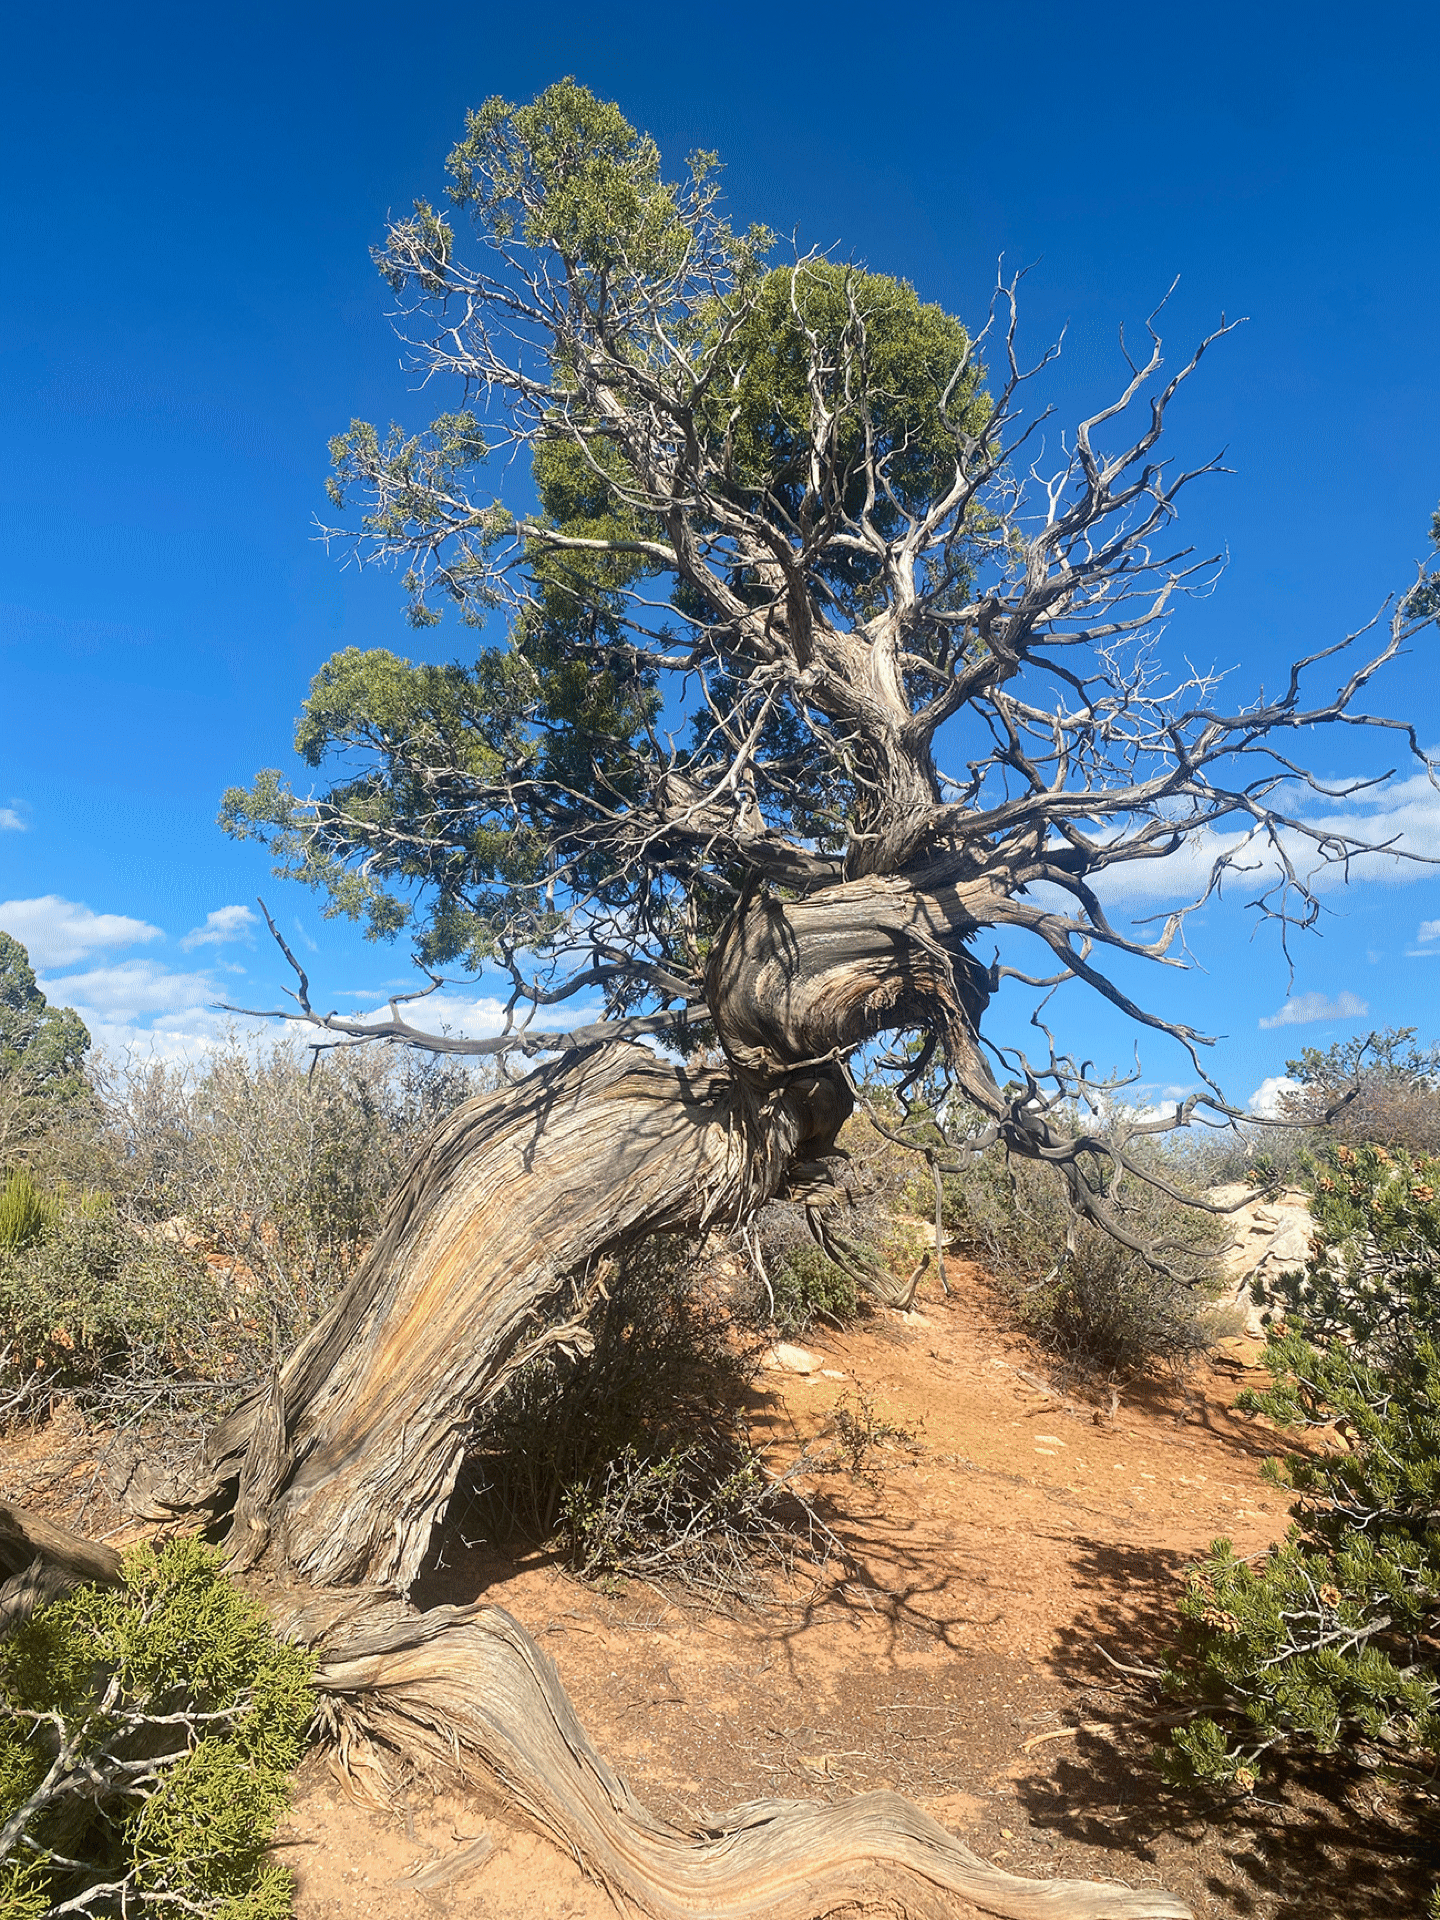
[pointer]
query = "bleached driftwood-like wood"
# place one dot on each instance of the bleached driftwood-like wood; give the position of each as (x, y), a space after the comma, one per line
(347, 1458)
(468, 1686)
(24, 1536)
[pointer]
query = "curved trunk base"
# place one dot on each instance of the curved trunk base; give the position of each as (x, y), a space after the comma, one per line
(347, 1459)
(468, 1685)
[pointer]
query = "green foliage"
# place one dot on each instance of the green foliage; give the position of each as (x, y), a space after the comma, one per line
(146, 1738)
(568, 173)
(860, 1432)
(475, 802)
(696, 1514)
(27, 1213)
(652, 1366)
(896, 389)
(91, 1305)
(42, 1050)
(1390, 1088)
(808, 1287)
(1329, 1642)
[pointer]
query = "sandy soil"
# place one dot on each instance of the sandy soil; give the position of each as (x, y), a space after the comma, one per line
(959, 1656)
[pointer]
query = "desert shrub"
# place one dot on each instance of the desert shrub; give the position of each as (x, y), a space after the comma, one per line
(278, 1167)
(1258, 1156)
(1331, 1642)
(704, 1514)
(858, 1433)
(1100, 1307)
(92, 1309)
(626, 1441)
(227, 1205)
(146, 1738)
(1393, 1087)
(27, 1212)
(807, 1286)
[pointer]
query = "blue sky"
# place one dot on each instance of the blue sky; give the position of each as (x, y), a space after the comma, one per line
(189, 312)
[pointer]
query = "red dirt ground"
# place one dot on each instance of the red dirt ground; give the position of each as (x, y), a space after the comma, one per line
(959, 1657)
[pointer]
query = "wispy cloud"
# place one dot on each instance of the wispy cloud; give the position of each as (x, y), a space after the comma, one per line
(1427, 941)
(1403, 817)
(130, 988)
(57, 932)
(1306, 1008)
(142, 1006)
(222, 926)
(10, 821)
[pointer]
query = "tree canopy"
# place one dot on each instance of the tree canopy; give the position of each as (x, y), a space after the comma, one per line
(796, 614)
(42, 1048)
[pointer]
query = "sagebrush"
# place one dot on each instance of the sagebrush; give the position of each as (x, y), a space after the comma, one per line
(1102, 1308)
(175, 1231)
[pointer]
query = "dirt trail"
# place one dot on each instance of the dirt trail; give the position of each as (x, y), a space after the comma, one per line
(957, 1657)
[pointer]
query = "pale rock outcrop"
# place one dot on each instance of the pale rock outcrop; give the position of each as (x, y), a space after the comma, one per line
(1269, 1235)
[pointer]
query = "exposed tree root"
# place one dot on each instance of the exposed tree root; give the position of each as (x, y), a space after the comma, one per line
(468, 1687)
(40, 1561)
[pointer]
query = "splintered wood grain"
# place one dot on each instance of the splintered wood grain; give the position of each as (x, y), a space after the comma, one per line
(348, 1459)
(468, 1684)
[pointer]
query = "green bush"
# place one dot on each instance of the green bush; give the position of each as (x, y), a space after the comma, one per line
(27, 1213)
(94, 1309)
(1331, 1642)
(146, 1738)
(808, 1287)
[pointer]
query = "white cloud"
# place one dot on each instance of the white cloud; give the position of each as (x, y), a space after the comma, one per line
(1404, 815)
(1306, 1008)
(142, 1007)
(1428, 930)
(57, 933)
(129, 989)
(10, 821)
(223, 925)
(1265, 1102)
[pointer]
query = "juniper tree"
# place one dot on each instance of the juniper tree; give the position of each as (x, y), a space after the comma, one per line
(42, 1050)
(1328, 1643)
(807, 661)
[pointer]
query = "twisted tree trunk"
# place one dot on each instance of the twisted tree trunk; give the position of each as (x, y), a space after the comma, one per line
(344, 1463)
(468, 1684)
(467, 1688)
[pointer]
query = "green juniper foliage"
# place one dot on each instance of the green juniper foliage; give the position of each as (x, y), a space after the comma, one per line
(808, 1287)
(1329, 1642)
(42, 1051)
(147, 1734)
(505, 788)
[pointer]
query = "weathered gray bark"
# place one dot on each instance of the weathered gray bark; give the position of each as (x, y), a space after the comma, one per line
(40, 1561)
(344, 1463)
(468, 1684)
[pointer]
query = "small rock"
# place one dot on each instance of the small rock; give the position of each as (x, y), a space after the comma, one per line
(831, 1373)
(783, 1358)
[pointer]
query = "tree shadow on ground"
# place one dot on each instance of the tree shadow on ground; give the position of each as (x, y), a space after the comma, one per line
(1320, 1837)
